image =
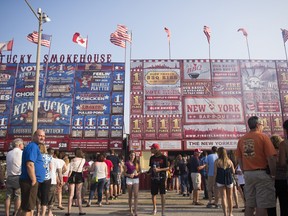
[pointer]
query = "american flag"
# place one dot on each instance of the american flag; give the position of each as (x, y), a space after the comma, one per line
(122, 32)
(243, 31)
(207, 32)
(168, 33)
(284, 35)
(45, 39)
(116, 40)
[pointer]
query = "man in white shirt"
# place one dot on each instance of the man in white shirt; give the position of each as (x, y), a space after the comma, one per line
(60, 184)
(56, 176)
(14, 161)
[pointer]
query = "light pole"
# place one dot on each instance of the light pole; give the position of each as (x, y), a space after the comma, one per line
(42, 18)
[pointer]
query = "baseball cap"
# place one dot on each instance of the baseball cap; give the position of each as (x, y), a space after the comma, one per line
(198, 150)
(155, 146)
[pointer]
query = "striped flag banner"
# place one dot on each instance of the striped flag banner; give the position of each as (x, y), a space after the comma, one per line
(207, 32)
(122, 32)
(116, 40)
(243, 31)
(45, 39)
(284, 35)
(168, 33)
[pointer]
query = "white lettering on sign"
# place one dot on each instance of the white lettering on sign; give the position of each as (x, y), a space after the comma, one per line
(210, 109)
(58, 107)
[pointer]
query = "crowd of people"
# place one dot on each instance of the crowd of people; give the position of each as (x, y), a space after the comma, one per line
(37, 177)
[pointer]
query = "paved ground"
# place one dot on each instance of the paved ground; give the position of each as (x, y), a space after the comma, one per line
(176, 205)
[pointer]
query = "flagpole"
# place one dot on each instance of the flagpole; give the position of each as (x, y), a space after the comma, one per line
(169, 50)
(131, 46)
(49, 47)
(86, 47)
(48, 54)
(248, 47)
(285, 53)
(209, 52)
(12, 47)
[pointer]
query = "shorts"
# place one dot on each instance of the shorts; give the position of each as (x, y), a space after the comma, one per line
(131, 181)
(28, 194)
(107, 184)
(43, 192)
(259, 189)
(114, 178)
(13, 190)
(222, 185)
(65, 179)
(158, 185)
(196, 179)
(75, 178)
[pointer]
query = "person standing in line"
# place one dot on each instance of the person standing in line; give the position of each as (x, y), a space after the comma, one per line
(212, 189)
(190, 183)
(122, 177)
(223, 171)
(196, 167)
(132, 170)
(280, 178)
(184, 176)
(76, 180)
(65, 174)
(176, 176)
(98, 179)
(203, 172)
(257, 158)
(85, 183)
(240, 181)
(107, 182)
(32, 173)
(158, 166)
(44, 187)
(55, 172)
(169, 185)
(60, 184)
(114, 183)
(13, 161)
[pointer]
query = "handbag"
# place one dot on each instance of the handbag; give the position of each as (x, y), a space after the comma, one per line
(73, 174)
(95, 179)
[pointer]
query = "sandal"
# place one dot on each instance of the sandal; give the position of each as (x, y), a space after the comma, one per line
(60, 207)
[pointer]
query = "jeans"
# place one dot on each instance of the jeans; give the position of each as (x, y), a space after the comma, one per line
(99, 186)
(184, 183)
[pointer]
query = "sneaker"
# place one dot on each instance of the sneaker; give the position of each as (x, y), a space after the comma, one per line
(209, 205)
(110, 198)
(218, 206)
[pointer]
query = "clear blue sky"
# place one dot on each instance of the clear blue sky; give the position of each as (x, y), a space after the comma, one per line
(185, 18)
